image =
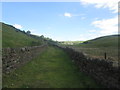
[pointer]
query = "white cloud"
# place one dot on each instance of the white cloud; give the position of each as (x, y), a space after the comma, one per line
(17, 26)
(111, 4)
(107, 26)
(68, 15)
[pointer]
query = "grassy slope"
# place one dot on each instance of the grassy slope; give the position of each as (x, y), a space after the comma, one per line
(107, 41)
(11, 38)
(52, 69)
(97, 47)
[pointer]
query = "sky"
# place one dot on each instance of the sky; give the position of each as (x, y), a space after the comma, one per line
(64, 21)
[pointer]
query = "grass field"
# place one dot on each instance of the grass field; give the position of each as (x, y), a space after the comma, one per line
(13, 38)
(112, 53)
(97, 47)
(51, 69)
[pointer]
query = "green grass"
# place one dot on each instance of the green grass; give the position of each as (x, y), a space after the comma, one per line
(112, 53)
(51, 69)
(106, 41)
(97, 47)
(12, 38)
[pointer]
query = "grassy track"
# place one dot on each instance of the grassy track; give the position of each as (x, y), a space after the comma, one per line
(51, 69)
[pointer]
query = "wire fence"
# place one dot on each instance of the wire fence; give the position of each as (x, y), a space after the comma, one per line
(103, 53)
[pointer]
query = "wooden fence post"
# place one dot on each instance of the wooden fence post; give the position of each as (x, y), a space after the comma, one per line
(105, 55)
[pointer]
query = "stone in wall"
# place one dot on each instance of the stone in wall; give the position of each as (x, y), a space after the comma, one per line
(13, 58)
(101, 70)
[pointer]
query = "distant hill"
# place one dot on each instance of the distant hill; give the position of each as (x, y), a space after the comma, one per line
(70, 42)
(105, 41)
(12, 37)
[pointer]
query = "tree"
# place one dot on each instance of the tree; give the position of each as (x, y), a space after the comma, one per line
(28, 32)
(23, 31)
(42, 36)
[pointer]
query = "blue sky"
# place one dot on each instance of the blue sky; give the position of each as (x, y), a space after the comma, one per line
(63, 21)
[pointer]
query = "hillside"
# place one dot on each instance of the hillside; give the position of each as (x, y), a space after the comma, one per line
(12, 37)
(106, 41)
(98, 46)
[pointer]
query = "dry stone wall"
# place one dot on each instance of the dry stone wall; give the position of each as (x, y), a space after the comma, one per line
(13, 58)
(101, 70)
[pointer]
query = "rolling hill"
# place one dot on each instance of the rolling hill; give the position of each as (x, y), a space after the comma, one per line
(98, 46)
(105, 41)
(12, 37)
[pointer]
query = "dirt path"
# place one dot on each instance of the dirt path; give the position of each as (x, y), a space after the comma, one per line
(51, 69)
